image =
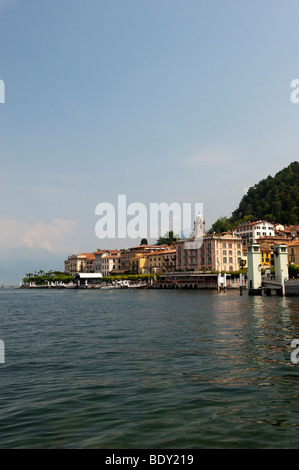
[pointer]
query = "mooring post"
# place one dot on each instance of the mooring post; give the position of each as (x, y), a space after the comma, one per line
(282, 285)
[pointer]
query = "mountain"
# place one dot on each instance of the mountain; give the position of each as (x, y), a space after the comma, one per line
(275, 199)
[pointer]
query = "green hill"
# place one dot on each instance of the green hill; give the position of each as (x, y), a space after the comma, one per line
(274, 198)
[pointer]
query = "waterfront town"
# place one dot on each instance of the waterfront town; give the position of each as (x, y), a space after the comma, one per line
(217, 253)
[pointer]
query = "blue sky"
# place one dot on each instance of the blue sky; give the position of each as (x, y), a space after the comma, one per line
(160, 100)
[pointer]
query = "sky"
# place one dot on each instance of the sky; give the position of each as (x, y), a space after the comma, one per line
(158, 100)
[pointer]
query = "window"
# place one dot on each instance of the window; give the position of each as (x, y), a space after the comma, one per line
(230, 245)
(224, 252)
(223, 245)
(230, 260)
(224, 260)
(230, 253)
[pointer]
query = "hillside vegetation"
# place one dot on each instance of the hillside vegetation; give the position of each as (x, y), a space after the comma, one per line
(275, 199)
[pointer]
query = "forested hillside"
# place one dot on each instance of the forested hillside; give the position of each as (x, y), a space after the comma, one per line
(275, 199)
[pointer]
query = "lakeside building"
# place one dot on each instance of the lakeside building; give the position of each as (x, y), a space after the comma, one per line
(138, 264)
(82, 263)
(110, 264)
(157, 261)
(250, 232)
(100, 254)
(218, 252)
(133, 260)
(267, 256)
(293, 252)
(162, 261)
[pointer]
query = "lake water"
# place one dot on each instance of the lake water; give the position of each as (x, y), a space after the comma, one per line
(148, 369)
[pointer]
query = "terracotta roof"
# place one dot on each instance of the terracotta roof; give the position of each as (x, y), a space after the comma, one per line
(255, 223)
(106, 251)
(87, 255)
(145, 246)
(159, 253)
(272, 237)
(266, 249)
(293, 243)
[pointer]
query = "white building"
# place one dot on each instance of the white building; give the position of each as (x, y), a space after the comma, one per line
(250, 232)
(100, 265)
(110, 263)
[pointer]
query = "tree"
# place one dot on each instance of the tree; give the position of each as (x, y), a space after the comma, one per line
(168, 239)
(275, 199)
(223, 224)
(144, 242)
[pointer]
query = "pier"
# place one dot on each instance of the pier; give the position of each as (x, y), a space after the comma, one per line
(280, 284)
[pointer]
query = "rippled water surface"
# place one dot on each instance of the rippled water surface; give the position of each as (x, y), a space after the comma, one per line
(148, 369)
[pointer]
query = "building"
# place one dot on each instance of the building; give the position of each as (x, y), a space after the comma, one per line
(218, 252)
(88, 279)
(111, 264)
(293, 252)
(266, 259)
(82, 263)
(139, 264)
(131, 258)
(273, 240)
(294, 229)
(162, 261)
(103, 253)
(250, 232)
(291, 231)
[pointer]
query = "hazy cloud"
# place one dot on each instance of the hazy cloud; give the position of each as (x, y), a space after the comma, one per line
(16, 234)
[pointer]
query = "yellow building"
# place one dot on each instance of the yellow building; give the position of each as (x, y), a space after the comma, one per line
(162, 261)
(266, 255)
(134, 260)
(293, 252)
(139, 264)
(82, 263)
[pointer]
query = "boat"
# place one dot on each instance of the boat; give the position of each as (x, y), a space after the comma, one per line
(110, 287)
